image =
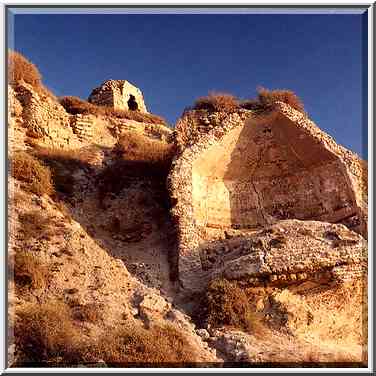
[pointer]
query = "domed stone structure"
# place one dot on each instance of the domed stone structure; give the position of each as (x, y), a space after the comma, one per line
(119, 94)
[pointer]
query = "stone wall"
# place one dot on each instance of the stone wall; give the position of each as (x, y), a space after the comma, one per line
(83, 126)
(245, 172)
(41, 120)
(119, 94)
(156, 131)
(44, 119)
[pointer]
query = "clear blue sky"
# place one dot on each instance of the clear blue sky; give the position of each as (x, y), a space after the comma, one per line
(175, 58)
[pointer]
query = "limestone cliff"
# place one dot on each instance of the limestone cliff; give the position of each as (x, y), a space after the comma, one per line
(128, 242)
(241, 172)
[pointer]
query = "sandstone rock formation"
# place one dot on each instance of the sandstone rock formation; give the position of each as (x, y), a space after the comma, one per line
(119, 94)
(269, 202)
(39, 119)
(241, 172)
(43, 118)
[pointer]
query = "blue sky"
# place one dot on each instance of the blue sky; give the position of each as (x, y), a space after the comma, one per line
(175, 58)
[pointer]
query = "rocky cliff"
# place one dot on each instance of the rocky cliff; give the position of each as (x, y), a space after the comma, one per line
(237, 238)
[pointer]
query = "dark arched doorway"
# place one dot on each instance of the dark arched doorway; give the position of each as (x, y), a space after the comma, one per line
(132, 104)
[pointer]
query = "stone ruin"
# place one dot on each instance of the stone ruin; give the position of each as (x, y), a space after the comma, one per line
(83, 126)
(245, 177)
(119, 94)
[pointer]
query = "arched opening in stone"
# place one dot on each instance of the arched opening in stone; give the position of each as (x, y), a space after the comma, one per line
(132, 104)
(271, 170)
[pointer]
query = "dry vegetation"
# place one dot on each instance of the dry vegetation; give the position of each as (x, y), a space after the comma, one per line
(143, 347)
(134, 146)
(228, 305)
(48, 334)
(90, 312)
(37, 225)
(29, 271)
(34, 175)
(75, 105)
(20, 68)
(224, 102)
(266, 98)
(47, 171)
(62, 164)
(33, 223)
(217, 102)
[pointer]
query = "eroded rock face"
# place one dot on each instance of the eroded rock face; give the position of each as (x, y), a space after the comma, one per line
(45, 120)
(119, 94)
(241, 172)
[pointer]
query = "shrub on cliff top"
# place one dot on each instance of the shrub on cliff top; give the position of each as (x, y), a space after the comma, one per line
(217, 102)
(75, 105)
(266, 98)
(35, 176)
(223, 102)
(19, 68)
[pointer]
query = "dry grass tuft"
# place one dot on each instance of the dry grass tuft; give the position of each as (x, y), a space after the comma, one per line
(266, 98)
(217, 102)
(75, 105)
(156, 346)
(228, 305)
(35, 224)
(90, 312)
(63, 164)
(46, 334)
(135, 147)
(21, 69)
(36, 177)
(29, 271)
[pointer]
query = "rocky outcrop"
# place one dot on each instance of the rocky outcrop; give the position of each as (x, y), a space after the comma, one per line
(43, 119)
(40, 120)
(241, 172)
(156, 131)
(119, 94)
